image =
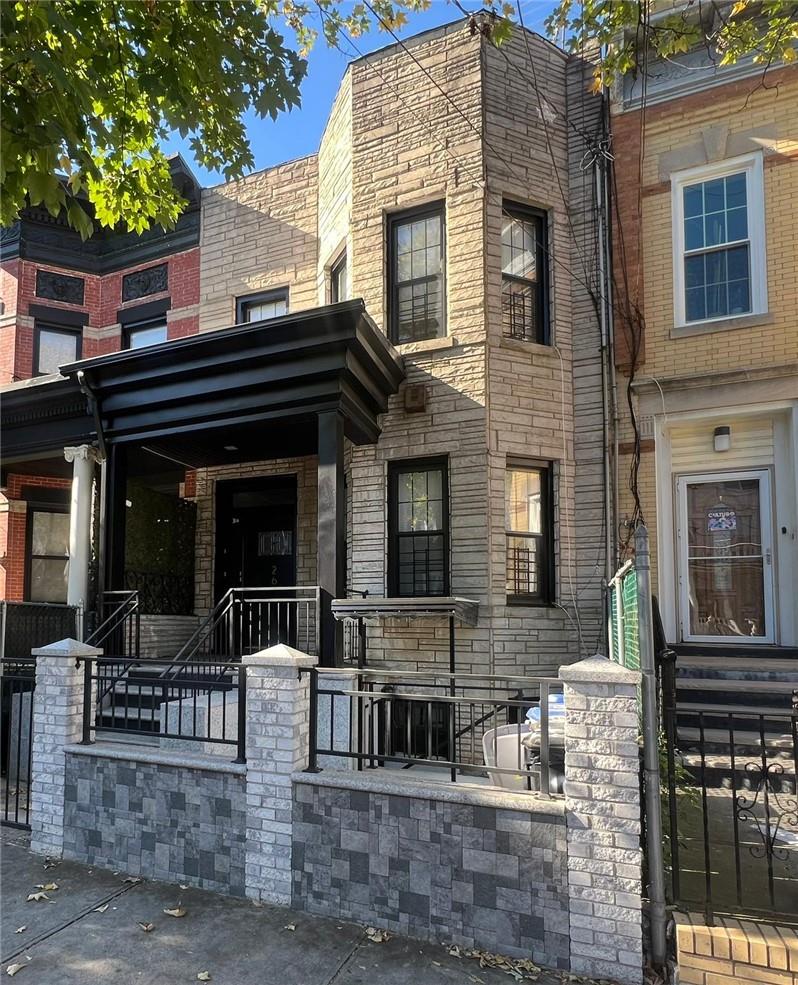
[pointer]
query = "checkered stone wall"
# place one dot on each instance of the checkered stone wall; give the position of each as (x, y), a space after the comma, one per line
(169, 822)
(434, 869)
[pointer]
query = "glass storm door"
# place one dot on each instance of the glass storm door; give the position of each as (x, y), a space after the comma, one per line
(726, 557)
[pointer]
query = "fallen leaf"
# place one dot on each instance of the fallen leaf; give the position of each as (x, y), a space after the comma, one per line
(177, 911)
(182, 886)
(133, 880)
(290, 926)
(147, 927)
(377, 936)
(48, 887)
(437, 964)
(203, 976)
(101, 909)
(20, 930)
(12, 969)
(51, 863)
(454, 950)
(38, 897)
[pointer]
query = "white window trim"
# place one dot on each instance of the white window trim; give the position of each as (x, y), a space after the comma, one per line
(751, 164)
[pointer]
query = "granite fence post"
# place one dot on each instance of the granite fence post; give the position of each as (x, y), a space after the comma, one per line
(57, 721)
(602, 799)
(278, 718)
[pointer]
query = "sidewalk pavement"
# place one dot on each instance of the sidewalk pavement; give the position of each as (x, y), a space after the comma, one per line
(91, 934)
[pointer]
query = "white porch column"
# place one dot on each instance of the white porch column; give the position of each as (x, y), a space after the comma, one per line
(82, 458)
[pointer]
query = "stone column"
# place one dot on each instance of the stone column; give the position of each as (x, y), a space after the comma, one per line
(57, 721)
(278, 718)
(602, 799)
(82, 458)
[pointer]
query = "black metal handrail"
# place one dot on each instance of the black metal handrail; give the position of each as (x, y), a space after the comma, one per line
(189, 688)
(421, 718)
(119, 631)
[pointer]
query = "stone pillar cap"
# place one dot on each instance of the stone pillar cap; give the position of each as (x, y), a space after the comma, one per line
(279, 656)
(598, 670)
(67, 648)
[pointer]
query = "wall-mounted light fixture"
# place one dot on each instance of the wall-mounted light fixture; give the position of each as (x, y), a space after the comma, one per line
(722, 438)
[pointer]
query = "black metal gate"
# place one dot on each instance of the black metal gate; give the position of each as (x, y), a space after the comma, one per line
(731, 800)
(17, 684)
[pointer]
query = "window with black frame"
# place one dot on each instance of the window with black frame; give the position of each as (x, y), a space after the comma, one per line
(524, 314)
(263, 306)
(55, 346)
(339, 280)
(418, 526)
(529, 524)
(48, 554)
(416, 274)
(137, 335)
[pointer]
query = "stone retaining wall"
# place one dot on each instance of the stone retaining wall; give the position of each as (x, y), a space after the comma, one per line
(142, 814)
(470, 866)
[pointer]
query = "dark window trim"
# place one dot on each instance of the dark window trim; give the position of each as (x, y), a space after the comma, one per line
(59, 316)
(544, 293)
(335, 268)
(546, 596)
(39, 327)
(396, 219)
(148, 311)
(275, 294)
(396, 468)
(37, 507)
(131, 327)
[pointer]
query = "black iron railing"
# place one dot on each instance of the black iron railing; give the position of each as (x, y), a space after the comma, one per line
(27, 625)
(246, 620)
(462, 724)
(731, 774)
(17, 685)
(200, 702)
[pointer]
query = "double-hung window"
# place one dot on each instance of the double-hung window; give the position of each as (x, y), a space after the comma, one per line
(719, 241)
(261, 307)
(418, 527)
(417, 283)
(137, 335)
(529, 529)
(55, 346)
(524, 287)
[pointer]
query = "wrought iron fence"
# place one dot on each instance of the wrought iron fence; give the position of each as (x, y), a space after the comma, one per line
(27, 625)
(506, 729)
(202, 703)
(732, 804)
(17, 685)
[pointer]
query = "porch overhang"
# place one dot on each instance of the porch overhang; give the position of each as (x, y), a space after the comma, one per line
(215, 398)
(40, 417)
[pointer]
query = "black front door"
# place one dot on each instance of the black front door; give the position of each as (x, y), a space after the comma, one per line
(255, 533)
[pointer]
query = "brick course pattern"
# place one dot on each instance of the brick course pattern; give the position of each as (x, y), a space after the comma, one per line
(174, 823)
(473, 875)
(735, 952)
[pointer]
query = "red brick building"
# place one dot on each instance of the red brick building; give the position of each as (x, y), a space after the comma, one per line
(63, 300)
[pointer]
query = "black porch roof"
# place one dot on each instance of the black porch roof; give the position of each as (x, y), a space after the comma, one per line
(213, 398)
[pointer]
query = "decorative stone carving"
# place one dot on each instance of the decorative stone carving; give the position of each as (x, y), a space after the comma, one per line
(144, 282)
(81, 452)
(59, 287)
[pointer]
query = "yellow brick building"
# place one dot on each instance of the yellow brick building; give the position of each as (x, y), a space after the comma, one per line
(705, 250)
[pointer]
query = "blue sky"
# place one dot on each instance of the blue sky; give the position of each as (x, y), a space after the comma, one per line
(298, 133)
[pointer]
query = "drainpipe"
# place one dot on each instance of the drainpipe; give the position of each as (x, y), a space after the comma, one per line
(654, 835)
(607, 399)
